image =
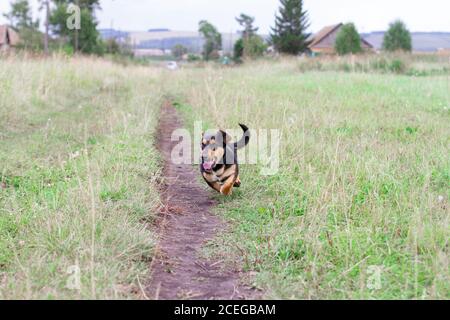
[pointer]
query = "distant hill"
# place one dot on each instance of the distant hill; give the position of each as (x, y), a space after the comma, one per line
(166, 39)
(158, 30)
(107, 34)
(422, 41)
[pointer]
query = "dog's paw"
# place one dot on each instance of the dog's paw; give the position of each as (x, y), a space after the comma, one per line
(237, 183)
(226, 190)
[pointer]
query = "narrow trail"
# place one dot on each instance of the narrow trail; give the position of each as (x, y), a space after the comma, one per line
(178, 271)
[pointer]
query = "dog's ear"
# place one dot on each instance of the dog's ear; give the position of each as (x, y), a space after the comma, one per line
(203, 138)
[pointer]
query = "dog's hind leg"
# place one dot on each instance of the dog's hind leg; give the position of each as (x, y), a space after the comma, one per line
(237, 183)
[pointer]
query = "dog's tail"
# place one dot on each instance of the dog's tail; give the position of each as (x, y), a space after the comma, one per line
(245, 138)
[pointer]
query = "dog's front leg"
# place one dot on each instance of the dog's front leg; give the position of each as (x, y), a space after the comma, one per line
(211, 180)
(227, 187)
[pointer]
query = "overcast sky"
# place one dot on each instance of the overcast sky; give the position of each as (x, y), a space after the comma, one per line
(368, 15)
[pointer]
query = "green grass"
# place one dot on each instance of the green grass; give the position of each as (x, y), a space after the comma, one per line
(363, 179)
(77, 174)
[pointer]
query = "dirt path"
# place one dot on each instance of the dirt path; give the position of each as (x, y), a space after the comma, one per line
(178, 272)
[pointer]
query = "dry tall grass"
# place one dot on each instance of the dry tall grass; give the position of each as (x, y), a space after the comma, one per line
(77, 173)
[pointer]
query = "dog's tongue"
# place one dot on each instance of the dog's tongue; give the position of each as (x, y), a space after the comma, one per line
(207, 165)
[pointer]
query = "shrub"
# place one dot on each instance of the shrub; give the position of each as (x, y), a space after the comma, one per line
(254, 47)
(397, 66)
(193, 57)
(346, 67)
(379, 64)
(238, 50)
(178, 51)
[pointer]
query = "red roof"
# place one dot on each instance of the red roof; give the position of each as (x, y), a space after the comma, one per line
(322, 34)
(319, 36)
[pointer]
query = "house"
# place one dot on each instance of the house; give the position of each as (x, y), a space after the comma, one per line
(443, 51)
(148, 53)
(8, 38)
(323, 41)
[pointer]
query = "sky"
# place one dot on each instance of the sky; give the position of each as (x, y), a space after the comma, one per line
(184, 15)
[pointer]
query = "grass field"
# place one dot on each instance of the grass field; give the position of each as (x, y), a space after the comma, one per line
(77, 174)
(358, 209)
(360, 205)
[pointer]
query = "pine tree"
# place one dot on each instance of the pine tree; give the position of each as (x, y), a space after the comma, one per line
(290, 32)
(397, 37)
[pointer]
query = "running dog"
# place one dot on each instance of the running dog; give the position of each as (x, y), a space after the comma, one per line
(219, 164)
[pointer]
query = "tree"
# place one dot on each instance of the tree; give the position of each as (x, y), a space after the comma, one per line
(348, 40)
(90, 5)
(179, 51)
(250, 45)
(116, 48)
(86, 39)
(290, 32)
(253, 47)
(213, 39)
(20, 15)
(113, 47)
(20, 18)
(246, 22)
(397, 37)
(45, 4)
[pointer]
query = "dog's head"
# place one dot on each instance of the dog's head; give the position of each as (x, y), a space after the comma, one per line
(213, 149)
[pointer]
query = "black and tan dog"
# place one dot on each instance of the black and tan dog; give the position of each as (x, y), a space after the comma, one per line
(219, 164)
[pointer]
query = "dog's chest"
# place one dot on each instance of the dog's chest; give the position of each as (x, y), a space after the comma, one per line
(215, 178)
(215, 175)
(212, 178)
(219, 173)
